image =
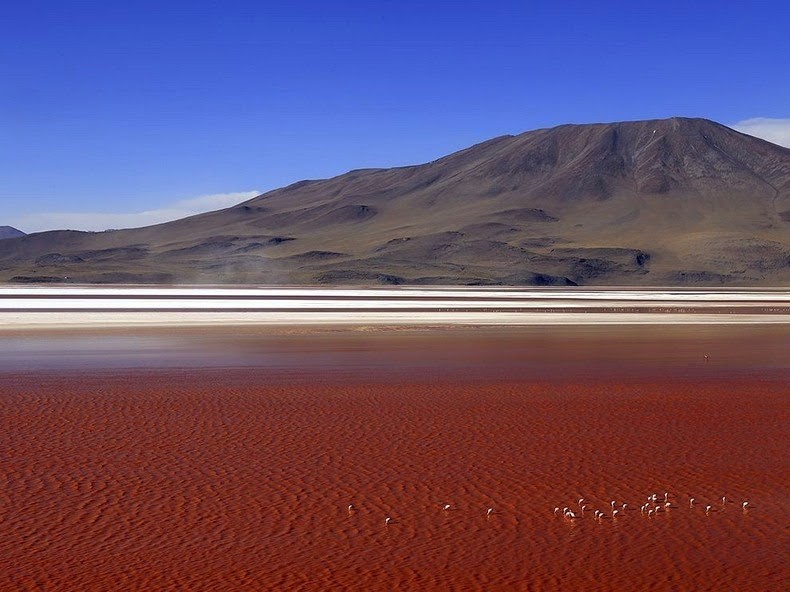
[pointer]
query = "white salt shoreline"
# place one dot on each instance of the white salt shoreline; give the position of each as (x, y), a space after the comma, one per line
(91, 307)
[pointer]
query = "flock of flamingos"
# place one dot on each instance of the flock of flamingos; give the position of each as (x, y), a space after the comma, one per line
(650, 508)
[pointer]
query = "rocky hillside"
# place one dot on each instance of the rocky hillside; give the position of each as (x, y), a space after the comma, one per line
(663, 202)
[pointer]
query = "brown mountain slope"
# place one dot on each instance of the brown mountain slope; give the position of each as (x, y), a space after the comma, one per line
(663, 202)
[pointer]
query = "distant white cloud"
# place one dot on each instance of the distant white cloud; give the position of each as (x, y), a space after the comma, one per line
(103, 220)
(773, 130)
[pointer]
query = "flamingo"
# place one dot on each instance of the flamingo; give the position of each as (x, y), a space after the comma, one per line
(556, 511)
(746, 505)
(446, 507)
(708, 509)
(350, 507)
(691, 502)
(581, 501)
(625, 506)
(615, 513)
(666, 496)
(614, 503)
(387, 521)
(490, 511)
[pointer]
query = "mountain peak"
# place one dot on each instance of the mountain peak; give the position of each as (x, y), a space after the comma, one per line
(10, 232)
(595, 161)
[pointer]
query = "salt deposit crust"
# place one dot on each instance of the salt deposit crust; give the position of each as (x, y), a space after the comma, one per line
(22, 307)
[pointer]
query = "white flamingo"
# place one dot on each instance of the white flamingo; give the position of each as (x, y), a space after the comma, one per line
(746, 505)
(387, 521)
(708, 509)
(489, 512)
(446, 507)
(691, 502)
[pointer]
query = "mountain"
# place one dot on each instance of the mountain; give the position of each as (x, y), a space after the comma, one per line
(664, 202)
(10, 232)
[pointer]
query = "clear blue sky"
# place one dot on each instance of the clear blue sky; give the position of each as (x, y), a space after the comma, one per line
(124, 106)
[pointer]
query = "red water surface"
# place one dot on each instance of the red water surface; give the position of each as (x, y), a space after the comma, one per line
(240, 479)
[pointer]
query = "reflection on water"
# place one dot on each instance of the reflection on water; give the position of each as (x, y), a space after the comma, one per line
(488, 351)
(95, 351)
